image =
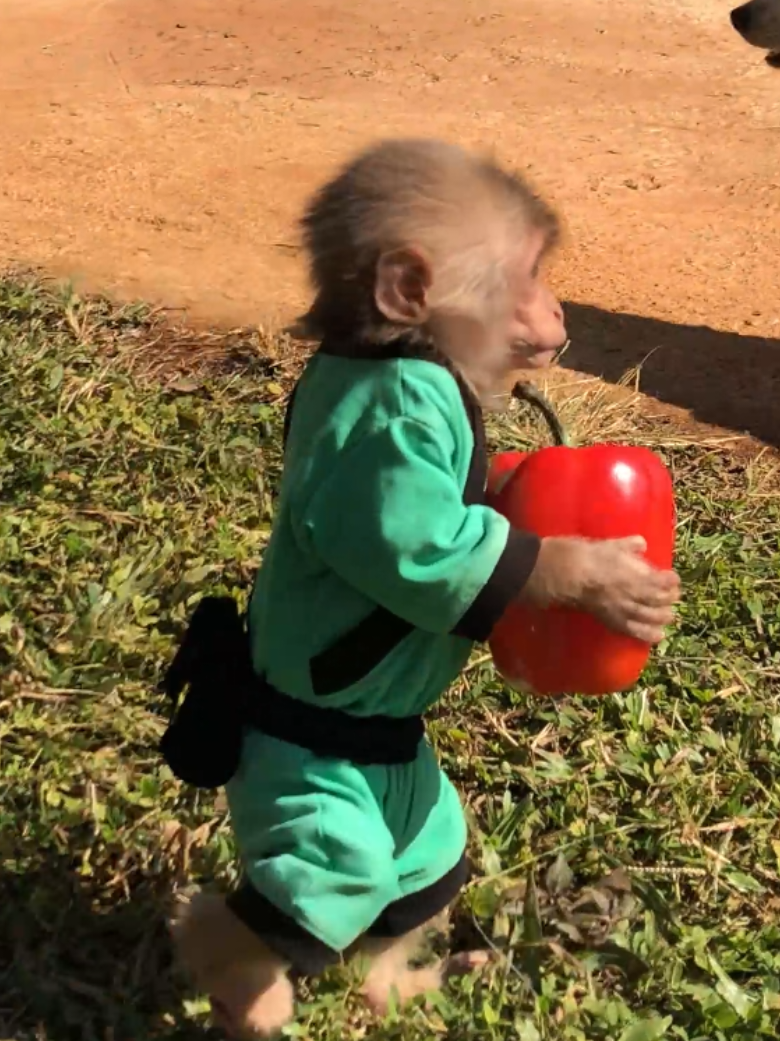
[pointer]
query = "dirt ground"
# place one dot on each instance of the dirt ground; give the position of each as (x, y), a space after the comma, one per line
(163, 149)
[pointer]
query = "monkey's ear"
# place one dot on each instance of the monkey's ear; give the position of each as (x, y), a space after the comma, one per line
(403, 278)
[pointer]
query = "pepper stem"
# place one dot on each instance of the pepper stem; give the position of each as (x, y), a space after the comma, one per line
(528, 392)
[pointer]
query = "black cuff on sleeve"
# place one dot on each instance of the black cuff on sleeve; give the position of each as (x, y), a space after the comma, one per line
(510, 574)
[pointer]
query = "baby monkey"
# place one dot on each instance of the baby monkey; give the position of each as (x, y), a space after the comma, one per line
(384, 567)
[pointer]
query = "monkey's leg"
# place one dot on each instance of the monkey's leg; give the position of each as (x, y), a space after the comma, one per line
(248, 986)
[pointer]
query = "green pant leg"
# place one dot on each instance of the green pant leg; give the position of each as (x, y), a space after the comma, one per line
(425, 815)
(312, 840)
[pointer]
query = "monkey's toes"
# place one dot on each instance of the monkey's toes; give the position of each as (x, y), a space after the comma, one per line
(464, 962)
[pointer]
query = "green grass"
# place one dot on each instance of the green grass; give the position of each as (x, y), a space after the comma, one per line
(124, 494)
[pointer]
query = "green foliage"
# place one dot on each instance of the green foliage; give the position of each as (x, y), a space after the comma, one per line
(628, 847)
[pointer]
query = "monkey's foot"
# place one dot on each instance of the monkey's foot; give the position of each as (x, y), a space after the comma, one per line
(465, 962)
(379, 993)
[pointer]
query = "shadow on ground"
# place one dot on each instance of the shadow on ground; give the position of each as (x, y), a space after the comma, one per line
(72, 967)
(723, 378)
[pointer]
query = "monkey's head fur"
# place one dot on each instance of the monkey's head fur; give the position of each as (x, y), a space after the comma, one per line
(421, 239)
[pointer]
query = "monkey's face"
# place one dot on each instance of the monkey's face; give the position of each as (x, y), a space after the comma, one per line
(536, 329)
(758, 23)
(524, 330)
(519, 326)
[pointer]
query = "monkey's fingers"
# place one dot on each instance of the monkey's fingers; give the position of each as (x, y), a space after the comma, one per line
(656, 597)
(649, 624)
(669, 580)
(651, 634)
(632, 618)
(634, 544)
(644, 614)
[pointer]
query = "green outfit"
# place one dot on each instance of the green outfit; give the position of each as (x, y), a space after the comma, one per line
(371, 512)
(374, 534)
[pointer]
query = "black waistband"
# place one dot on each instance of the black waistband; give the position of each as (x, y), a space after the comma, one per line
(328, 732)
(224, 696)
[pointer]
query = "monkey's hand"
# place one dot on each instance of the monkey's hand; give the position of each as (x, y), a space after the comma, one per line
(609, 579)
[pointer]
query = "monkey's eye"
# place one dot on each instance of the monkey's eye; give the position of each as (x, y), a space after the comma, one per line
(535, 270)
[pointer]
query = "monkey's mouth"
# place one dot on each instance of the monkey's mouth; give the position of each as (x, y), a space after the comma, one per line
(561, 351)
(522, 349)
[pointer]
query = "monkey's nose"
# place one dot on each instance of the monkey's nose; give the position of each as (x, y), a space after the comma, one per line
(741, 17)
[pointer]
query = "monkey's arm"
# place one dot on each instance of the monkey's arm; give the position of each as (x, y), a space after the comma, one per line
(391, 521)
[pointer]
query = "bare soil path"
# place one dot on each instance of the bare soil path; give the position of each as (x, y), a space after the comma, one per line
(163, 149)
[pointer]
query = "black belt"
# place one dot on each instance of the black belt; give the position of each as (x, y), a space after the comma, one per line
(328, 732)
(203, 741)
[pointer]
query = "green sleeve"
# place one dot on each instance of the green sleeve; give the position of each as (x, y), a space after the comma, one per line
(390, 520)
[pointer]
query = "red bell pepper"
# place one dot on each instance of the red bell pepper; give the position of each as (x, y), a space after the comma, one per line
(598, 492)
(502, 467)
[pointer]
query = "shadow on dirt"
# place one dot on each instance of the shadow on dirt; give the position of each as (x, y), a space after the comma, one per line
(723, 378)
